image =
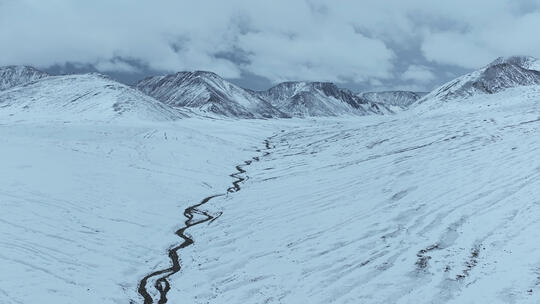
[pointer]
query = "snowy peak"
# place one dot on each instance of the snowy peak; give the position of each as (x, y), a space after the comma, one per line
(398, 100)
(12, 76)
(526, 62)
(506, 75)
(86, 97)
(501, 74)
(303, 99)
(287, 90)
(208, 93)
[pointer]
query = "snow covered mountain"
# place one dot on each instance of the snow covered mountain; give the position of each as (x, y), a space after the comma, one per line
(87, 97)
(501, 74)
(303, 99)
(208, 93)
(14, 75)
(395, 99)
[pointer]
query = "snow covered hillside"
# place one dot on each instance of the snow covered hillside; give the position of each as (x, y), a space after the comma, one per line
(497, 76)
(81, 97)
(305, 99)
(435, 207)
(397, 100)
(207, 93)
(12, 76)
(90, 208)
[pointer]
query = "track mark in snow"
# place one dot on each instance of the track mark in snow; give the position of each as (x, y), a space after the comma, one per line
(161, 277)
(423, 257)
(376, 143)
(470, 264)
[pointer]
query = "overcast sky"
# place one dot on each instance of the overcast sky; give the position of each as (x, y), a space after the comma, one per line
(362, 45)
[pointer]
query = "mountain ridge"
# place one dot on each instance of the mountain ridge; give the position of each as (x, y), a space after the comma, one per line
(207, 92)
(500, 74)
(305, 99)
(398, 100)
(82, 96)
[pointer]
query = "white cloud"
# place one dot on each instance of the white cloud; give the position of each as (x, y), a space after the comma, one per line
(58, 31)
(349, 41)
(282, 39)
(418, 73)
(484, 31)
(344, 56)
(114, 66)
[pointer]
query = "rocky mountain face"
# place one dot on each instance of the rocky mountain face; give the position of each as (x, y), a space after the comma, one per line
(208, 93)
(86, 96)
(304, 99)
(501, 74)
(12, 76)
(397, 100)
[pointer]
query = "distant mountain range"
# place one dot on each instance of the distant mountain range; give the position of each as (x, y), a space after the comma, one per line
(26, 90)
(396, 100)
(302, 99)
(206, 92)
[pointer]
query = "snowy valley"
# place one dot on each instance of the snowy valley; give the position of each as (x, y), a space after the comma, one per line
(310, 193)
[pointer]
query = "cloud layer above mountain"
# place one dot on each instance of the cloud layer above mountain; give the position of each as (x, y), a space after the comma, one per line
(373, 42)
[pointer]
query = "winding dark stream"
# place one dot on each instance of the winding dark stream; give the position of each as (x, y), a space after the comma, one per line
(161, 277)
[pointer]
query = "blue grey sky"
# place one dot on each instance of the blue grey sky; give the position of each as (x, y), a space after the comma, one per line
(361, 45)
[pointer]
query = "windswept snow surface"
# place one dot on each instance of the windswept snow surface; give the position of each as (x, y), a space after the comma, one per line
(428, 206)
(422, 207)
(90, 208)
